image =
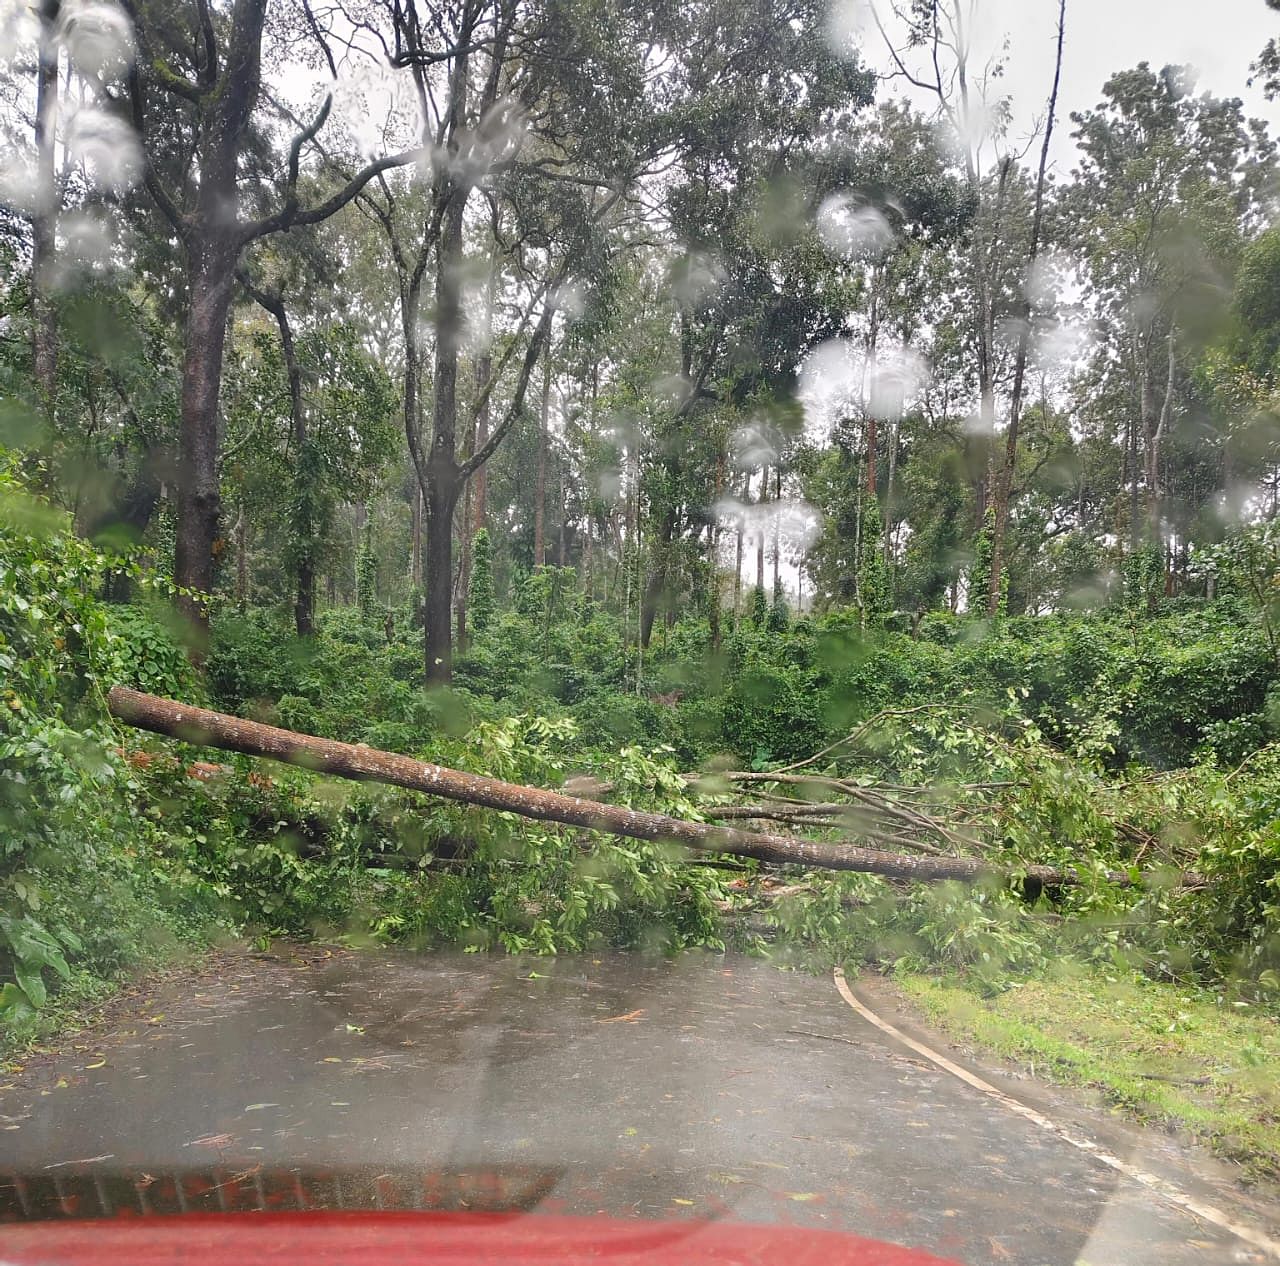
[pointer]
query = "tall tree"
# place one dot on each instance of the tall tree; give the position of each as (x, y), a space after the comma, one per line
(1167, 185)
(1004, 476)
(200, 150)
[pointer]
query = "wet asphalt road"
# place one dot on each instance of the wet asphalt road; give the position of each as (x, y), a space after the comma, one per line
(697, 1087)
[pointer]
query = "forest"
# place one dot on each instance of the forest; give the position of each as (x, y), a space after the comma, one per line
(722, 409)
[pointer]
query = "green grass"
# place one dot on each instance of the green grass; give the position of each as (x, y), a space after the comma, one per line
(1167, 1054)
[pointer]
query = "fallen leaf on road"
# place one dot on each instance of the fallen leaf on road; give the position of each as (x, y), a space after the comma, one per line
(257, 1107)
(803, 1196)
(99, 1064)
(677, 1200)
(630, 1018)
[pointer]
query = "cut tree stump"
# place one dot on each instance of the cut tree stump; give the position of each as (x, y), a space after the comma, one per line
(366, 764)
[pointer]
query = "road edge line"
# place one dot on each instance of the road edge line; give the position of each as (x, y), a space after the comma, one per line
(1153, 1182)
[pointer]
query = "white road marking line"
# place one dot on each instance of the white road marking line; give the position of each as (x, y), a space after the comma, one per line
(1166, 1191)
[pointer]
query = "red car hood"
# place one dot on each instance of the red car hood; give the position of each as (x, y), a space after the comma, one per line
(448, 1239)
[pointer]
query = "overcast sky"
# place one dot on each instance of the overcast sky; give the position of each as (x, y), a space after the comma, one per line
(1220, 38)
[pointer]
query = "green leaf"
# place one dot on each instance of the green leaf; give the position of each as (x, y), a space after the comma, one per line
(32, 984)
(14, 1004)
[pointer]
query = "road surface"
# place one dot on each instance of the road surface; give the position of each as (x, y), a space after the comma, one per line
(703, 1086)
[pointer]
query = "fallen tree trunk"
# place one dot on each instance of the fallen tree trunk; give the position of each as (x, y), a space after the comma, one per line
(366, 764)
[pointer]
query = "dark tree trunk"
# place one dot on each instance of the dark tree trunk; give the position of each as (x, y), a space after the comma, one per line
(224, 95)
(484, 371)
(714, 578)
(480, 514)
(738, 548)
(304, 526)
(464, 565)
(562, 553)
(44, 331)
(657, 582)
(763, 500)
(199, 504)
(1155, 494)
(540, 482)
(304, 606)
(415, 557)
(777, 527)
(873, 351)
(1131, 462)
(441, 501)
(443, 475)
(214, 241)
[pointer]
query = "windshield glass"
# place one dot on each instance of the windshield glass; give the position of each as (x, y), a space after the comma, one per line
(655, 616)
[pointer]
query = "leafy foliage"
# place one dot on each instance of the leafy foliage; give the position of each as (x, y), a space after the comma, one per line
(84, 886)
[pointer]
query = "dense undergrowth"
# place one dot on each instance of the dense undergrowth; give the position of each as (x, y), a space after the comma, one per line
(1114, 740)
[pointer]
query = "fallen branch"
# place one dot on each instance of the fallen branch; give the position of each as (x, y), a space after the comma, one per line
(367, 764)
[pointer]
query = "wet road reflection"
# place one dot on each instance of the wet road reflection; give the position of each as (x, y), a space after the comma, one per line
(696, 1087)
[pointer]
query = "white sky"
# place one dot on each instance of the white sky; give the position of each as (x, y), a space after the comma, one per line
(1220, 38)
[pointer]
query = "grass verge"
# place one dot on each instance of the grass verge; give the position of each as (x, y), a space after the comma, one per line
(1168, 1055)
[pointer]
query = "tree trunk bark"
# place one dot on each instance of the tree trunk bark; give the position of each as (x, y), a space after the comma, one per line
(739, 547)
(480, 501)
(213, 248)
(197, 544)
(44, 331)
(540, 483)
(367, 764)
(304, 526)
(657, 582)
(484, 371)
(562, 551)
(777, 528)
(441, 500)
(762, 501)
(1154, 491)
(887, 510)
(442, 463)
(415, 556)
(873, 350)
(1131, 471)
(464, 565)
(714, 578)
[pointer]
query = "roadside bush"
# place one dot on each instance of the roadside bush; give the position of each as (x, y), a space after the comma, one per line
(772, 714)
(84, 888)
